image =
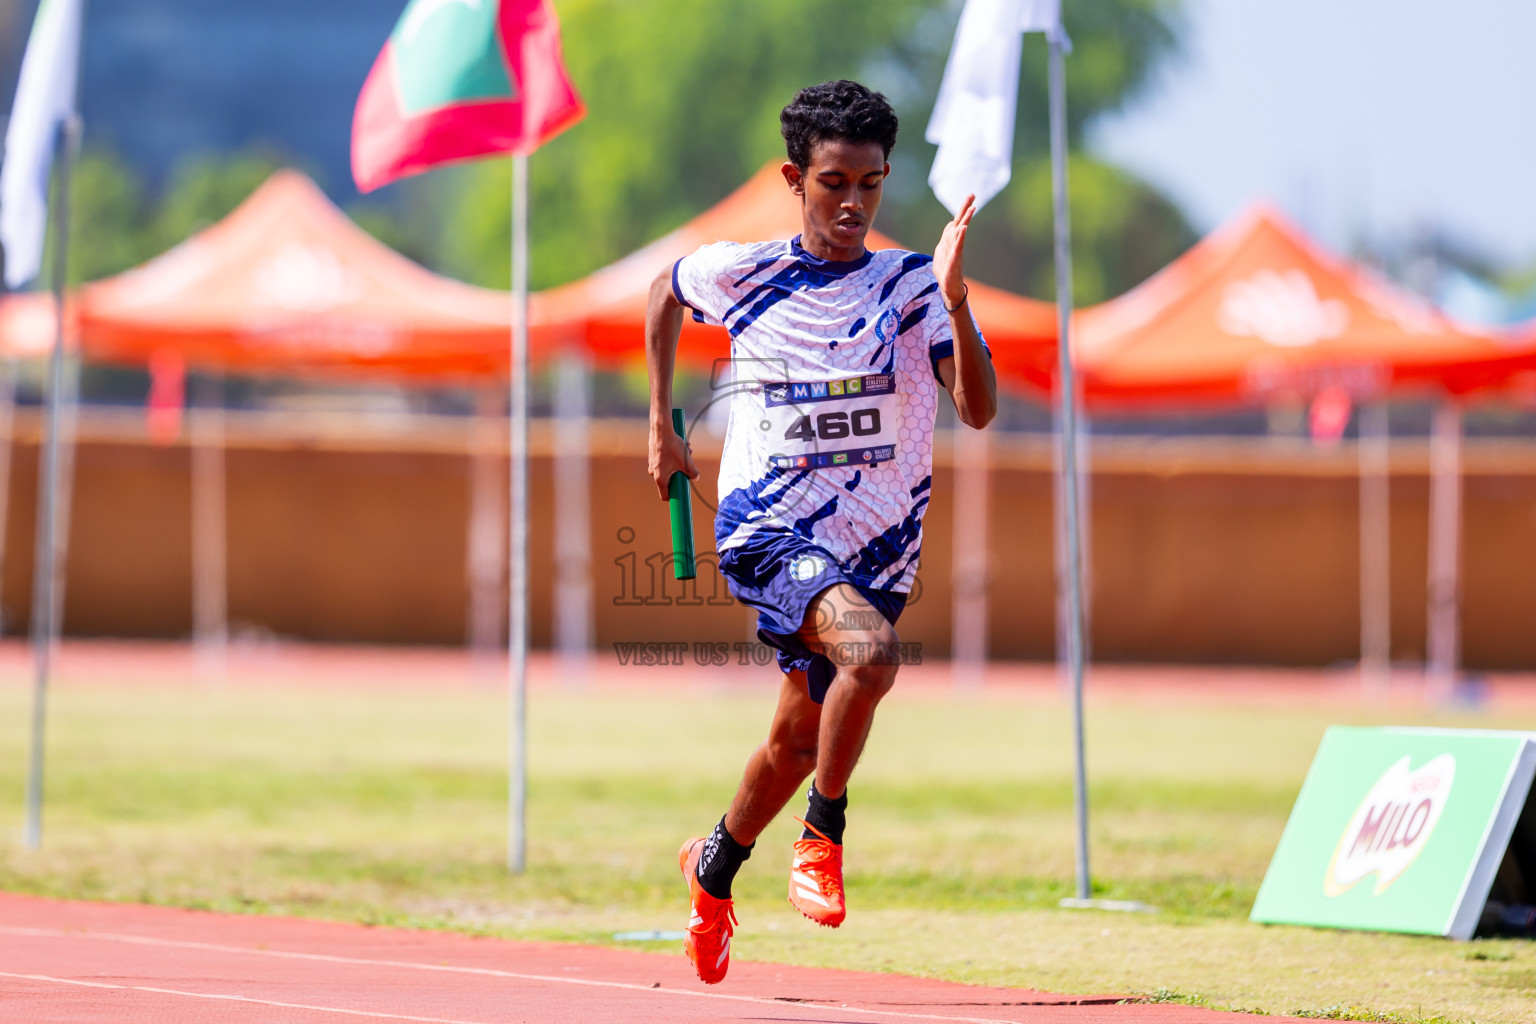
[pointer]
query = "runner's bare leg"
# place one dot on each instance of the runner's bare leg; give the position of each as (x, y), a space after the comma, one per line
(861, 643)
(777, 769)
(827, 738)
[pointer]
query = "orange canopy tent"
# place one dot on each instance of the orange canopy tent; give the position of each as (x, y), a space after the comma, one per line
(287, 283)
(1256, 311)
(1521, 386)
(606, 310)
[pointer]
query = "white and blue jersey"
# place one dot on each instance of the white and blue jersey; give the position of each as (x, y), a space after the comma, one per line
(833, 386)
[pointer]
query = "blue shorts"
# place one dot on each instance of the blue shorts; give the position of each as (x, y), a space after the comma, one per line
(779, 574)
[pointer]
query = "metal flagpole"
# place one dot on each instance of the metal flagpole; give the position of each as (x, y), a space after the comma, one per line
(1443, 645)
(1067, 481)
(970, 562)
(1082, 428)
(45, 624)
(63, 502)
(1375, 551)
(7, 450)
(487, 533)
(573, 517)
(517, 553)
(210, 514)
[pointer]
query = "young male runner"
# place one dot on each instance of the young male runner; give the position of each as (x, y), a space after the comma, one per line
(825, 474)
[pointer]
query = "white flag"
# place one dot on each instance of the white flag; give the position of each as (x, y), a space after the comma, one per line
(973, 117)
(45, 99)
(1043, 16)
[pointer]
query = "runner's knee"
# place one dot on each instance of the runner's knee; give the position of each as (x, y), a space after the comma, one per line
(792, 748)
(869, 659)
(874, 677)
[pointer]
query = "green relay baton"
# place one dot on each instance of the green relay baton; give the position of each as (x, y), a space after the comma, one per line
(682, 513)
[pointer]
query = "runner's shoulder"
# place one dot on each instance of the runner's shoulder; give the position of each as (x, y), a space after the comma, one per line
(896, 255)
(905, 268)
(742, 257)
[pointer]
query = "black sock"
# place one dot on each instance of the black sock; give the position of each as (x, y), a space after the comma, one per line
(721, 859)
(828, 816)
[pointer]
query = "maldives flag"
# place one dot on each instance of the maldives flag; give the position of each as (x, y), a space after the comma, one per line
(461, 79)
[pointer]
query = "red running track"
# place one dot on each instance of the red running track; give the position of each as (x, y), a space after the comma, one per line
(97, 963)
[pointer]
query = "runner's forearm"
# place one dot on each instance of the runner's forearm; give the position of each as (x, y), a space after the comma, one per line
(663, 325)
(975, 391)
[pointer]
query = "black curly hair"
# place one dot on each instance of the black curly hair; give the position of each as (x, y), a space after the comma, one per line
(835, 110)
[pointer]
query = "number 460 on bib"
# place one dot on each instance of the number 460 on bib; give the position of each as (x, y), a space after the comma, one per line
(829, 426)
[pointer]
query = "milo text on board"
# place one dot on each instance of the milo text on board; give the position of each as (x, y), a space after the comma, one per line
(1404, 830)
(1392, 825)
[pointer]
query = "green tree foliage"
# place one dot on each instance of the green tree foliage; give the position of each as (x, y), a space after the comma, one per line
(683, 99)
(1123, 230)
(106, 219)
(116, 224)
(204, 189)
(412, 229)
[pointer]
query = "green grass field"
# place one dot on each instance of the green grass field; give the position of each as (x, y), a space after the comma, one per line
(388, 807)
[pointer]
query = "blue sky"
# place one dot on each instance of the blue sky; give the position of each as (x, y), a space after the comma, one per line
(1362, 118)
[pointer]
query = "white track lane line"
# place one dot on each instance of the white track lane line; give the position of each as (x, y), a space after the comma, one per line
(229, 998)
(490, 972)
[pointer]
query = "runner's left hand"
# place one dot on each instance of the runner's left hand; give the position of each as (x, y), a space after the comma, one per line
(949, 257)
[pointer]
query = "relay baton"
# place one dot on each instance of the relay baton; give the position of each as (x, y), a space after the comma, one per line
(682, 513)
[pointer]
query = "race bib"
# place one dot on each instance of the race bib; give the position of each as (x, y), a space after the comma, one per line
(821, 424)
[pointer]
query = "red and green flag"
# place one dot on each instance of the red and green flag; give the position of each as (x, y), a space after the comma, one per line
(460, 79)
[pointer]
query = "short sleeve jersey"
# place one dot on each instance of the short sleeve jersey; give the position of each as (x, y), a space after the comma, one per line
(833, 386)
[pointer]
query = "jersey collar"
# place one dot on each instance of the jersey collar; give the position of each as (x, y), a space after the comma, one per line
(836, 268)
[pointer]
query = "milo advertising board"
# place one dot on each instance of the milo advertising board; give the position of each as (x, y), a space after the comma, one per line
(1399, 830)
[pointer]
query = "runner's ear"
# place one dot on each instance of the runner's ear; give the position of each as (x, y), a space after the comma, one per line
(795, 179)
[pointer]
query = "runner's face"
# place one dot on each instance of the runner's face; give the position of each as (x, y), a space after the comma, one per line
(839, 194)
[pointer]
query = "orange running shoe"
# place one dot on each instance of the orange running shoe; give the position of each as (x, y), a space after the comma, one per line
(816, 879)
(711, 922)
